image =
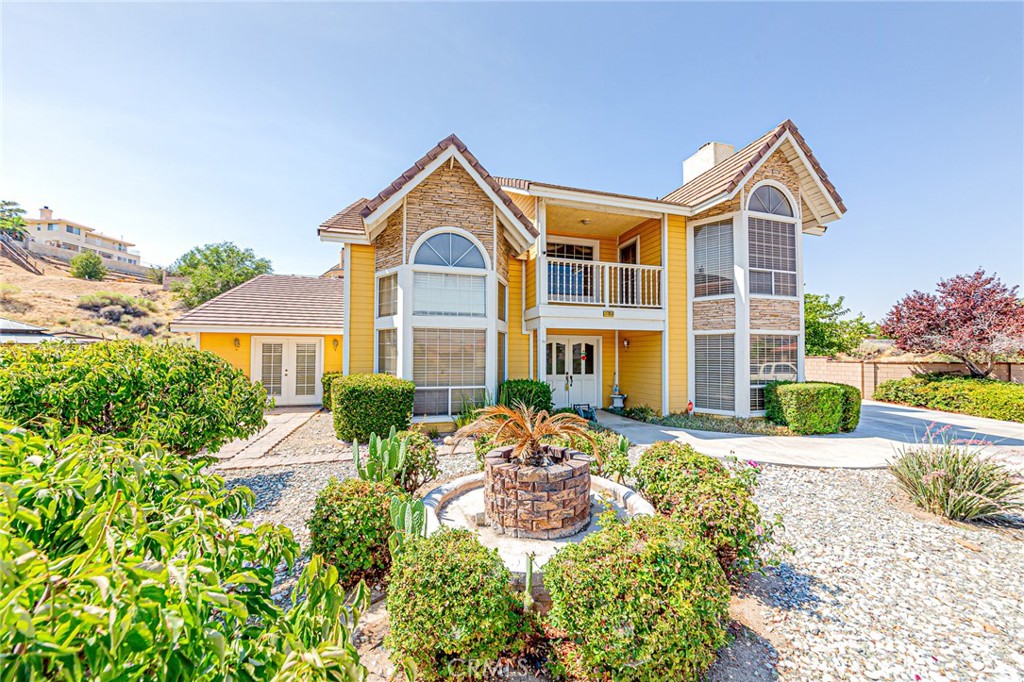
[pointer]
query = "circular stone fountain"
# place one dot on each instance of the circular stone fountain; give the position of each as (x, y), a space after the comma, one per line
(463, 503)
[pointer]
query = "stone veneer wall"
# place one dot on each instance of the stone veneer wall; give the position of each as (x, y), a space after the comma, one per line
(449, 197)
(537, 502)
(389, 242)
(773, 313)
(718, 314)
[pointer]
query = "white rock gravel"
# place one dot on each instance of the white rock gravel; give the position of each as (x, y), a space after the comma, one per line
(872, 590)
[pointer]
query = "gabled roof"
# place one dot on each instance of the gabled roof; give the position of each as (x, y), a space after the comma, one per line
(13, 326)
(351, 221)
(725, 177)
(525, 185)
(272, 301)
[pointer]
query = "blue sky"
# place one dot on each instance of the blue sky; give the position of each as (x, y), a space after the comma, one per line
(181, 124)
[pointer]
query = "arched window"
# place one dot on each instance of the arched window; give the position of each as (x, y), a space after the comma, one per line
(449, 250)
(768, 199)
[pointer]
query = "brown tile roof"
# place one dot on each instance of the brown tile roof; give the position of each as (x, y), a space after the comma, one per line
(347, 221)
(416, 168)
(730, 173)
(274, 301)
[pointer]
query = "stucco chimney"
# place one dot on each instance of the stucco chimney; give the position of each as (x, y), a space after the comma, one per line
(45, 213)
(710, 154)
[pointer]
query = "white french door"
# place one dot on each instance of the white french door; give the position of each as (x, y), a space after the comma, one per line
(572, 371)
(289, 368)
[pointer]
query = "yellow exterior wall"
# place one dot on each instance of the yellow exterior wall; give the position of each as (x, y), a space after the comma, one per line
(518, 343)
(640, 368)
(223, 345)
(608, 251)
(360, 311)
(678, 350)
(649, 233)
(531, 278)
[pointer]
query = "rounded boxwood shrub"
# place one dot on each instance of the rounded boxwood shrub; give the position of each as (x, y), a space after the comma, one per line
(350, 526)
(714, 501)
(808, 407)
(644, 600)
(181, 397)
(421, 463)
(326, 382)
(451, 606)
(950, 393)
(529, 392)
(365, 404)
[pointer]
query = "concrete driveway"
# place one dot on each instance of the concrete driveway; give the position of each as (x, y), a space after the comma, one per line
(883, 429)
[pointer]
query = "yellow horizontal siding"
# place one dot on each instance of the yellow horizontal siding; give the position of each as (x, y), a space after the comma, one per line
(223, 345)
(640, 368)
(678, 352)
(518, 343)
(649, 233)
(360, 309)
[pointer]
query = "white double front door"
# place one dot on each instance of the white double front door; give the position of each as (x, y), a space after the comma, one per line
(572, 369)
(289, 368)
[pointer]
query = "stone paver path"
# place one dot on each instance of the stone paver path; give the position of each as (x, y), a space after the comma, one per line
(256, 451)
(883, 429)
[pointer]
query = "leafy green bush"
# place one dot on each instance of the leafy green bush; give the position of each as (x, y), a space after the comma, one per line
(644, 600)
(130, 305)
(850, 408)
(609, 450)
(327, 383)
(421, 463)
(350, 525)
(809, 407)
(181, 397)
(88, 265)
(957, 481)
(530, 392)
(715, 501)
(978, 397)
(121, 561)
(641, 413)
(451, 605)
(723, 424)
(365, 404)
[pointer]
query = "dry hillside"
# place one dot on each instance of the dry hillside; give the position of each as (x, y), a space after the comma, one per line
(51, 300)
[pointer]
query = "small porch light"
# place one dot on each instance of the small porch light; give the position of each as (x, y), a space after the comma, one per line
(334, 342)
(238, 343)
(625, 343)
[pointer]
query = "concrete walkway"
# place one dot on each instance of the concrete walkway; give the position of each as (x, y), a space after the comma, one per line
(253, 451)
(883, 429)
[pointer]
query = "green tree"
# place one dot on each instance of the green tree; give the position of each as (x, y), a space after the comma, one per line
(11, 221)
(828, 331)
(212, 269)
(88, 265)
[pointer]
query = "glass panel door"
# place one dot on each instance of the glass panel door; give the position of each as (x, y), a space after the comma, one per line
(556, 373)
(305, 369)
(272, 368)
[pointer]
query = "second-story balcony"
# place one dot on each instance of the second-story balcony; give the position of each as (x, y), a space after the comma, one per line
(598, 283)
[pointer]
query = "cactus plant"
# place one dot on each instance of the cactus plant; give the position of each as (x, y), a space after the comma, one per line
(409, 518)
(385, 459)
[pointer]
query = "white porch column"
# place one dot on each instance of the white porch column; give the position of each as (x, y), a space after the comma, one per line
(542, 347)
(403, 334)
(346, 287)
(542, 258)
(741, 339)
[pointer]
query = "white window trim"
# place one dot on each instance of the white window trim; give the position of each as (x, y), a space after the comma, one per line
(795, 220)
(442, 229)
(575, 241)
(622, 245)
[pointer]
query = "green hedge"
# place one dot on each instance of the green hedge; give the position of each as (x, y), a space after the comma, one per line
(713, 500)
(350, 526)
(812, 407)
(644, 600)
(530, 392)
(451, 606)
(327, 382)
(977, 397)
(364, 404)
(181, 397)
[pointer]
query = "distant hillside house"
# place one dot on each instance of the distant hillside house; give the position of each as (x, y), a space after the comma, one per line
(61, 233)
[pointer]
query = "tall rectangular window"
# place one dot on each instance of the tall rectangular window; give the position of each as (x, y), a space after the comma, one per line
(501, 358)
(712, 259)
(715, 372)
(502, 302)
(387, 351)
(772, 358)
(449, 370)
(772, 247)
(387, 296)
(449, 295)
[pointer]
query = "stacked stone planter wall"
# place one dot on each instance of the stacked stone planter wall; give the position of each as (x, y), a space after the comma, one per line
(537, 502)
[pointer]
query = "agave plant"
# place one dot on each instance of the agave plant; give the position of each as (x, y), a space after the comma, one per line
(525, 430)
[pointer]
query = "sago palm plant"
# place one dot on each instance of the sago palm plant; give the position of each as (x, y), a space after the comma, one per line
(525, 429)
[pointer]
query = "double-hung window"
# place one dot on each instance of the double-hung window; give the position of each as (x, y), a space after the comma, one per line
(449, 369)
(715, 372)
(712, 259)
(387, 296)
(772, 358)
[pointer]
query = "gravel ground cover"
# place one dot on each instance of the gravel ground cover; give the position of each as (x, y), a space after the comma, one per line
(872, 589)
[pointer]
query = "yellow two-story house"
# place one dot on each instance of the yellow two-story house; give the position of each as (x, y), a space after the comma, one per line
(459, 280)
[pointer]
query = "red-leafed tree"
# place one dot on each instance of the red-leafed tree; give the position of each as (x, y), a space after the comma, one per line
(974, 318)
